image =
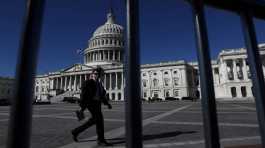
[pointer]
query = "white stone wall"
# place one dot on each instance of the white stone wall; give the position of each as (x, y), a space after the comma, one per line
(41, 89)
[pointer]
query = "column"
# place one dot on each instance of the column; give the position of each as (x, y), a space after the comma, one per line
(116, 80)
(101, 55)
(65, 83)
(105, 80)
(80, 81)
(113, 55)
(234, 69)
(85, 77)
(70, 83)
(56, 80)
(75, 83)
(122, 81)
(104, 55)
(108, 55)
(245, 74)
(110, 84)
(61, 78)
(119, 55)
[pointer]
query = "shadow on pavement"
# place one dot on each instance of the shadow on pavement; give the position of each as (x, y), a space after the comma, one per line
(147, 137)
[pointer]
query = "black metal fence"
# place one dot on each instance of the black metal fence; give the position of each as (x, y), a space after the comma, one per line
(21, 111)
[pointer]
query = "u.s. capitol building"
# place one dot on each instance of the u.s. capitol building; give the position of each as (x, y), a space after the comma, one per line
(169, 79)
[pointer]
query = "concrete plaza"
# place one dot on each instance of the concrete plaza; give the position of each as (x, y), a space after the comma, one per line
(165, 124)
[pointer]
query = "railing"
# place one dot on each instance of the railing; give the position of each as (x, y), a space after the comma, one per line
(21, 111)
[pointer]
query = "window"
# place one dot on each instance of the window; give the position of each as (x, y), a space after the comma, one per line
(145, 94)
(144, 74)
(144, 83)
(175, 72)
(176, 93)
(155, 82)
(176, 81)
(233, 92)
(216, 70)
(166, 73)
(166, 81)
(243, 91)
(154, 74)
(167, 93)
(37, 88)
(155, 94)
(113, 96)
(119, 96)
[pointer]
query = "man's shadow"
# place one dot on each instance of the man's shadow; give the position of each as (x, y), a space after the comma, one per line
(116, 141)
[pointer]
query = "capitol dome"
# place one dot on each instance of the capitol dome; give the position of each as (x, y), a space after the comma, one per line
(109, 27)
(106, 45)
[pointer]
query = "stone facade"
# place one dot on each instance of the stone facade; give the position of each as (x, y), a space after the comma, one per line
(169, 79)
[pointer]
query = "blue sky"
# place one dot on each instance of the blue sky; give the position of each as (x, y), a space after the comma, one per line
(166, 31)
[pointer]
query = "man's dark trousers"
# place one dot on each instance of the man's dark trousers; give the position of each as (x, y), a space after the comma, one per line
(97, 118)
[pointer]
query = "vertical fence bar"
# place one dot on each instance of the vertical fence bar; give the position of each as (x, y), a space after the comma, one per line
(19, 131)
(211, 132)
(255, 69)
(132, 76)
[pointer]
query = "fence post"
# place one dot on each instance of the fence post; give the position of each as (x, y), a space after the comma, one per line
(210, 123)
(132, 76)
(255, 69)
(19, 130)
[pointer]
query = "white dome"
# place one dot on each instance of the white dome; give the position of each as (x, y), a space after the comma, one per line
(109, 27)
(106, 45)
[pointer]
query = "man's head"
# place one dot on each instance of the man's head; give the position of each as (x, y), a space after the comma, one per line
(97, 73)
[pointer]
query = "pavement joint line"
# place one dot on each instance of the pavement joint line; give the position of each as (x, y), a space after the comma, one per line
(246, 107)
(105, 110)
(200, 123)
(222, 112)
(121, 130)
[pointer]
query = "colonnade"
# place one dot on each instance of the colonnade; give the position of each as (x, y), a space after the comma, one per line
(103, 55)
(238, 70)
(113, 82)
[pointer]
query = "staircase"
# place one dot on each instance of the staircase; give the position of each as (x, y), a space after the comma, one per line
(59, 98)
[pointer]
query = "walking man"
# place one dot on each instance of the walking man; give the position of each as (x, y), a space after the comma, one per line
(92, 95)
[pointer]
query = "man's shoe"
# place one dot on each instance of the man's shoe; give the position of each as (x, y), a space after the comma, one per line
(80, 115)
(104, 143)
(74, 136)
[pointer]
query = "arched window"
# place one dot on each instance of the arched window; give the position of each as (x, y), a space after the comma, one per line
(233, 92)
(144, 83)
(167, 93)
(155, 82)
(166, 81)
(243, 91)
(119, 96)
(113, 96)
(176, 81)
(37, 88)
